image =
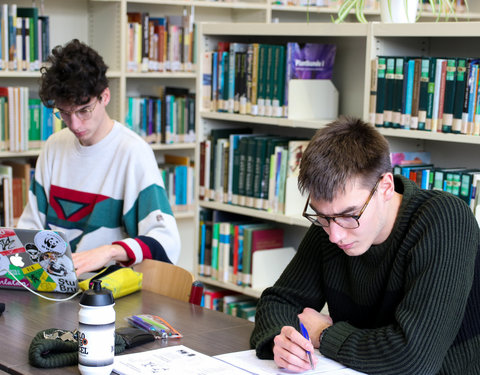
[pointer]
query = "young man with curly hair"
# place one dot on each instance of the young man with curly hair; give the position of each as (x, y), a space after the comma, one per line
(96, 180)
(398, 267)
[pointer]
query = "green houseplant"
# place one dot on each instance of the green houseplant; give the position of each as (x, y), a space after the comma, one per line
(440, 8)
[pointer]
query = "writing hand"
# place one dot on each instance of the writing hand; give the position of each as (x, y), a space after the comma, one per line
(315, 323)
(290, 350)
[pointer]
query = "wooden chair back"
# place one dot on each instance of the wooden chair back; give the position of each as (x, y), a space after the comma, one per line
(166, 279)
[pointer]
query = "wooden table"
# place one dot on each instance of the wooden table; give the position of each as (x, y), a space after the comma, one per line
(209, 332)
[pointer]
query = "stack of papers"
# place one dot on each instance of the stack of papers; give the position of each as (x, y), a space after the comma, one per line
(179, 359)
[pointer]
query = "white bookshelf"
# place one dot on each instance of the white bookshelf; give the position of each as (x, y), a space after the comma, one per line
(356, 44)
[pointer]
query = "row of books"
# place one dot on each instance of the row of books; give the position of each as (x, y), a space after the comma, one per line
(167, 118)
(252, 170)
(426, 93)
(235, 249)
(178, 173)
(24, 39)
(24, 122)
(253, 78)
(229, 302)
(15, 180)
(462, 182)
(160, 43)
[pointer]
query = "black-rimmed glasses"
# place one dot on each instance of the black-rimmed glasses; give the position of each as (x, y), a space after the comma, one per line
(345, 221)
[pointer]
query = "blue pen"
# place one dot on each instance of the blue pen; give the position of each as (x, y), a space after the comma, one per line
(305, 334)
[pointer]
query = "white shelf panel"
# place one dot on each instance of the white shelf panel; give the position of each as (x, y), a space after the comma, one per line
(173, 146)
(288, 30)
(18, 74)
(230, 286)
(162, 75)
(235, 5)
(19, 154)
(183, 215)
(431, 136)
(427, 29)
(276, 121)
(162, 2)
(279, 218)
(316, 9)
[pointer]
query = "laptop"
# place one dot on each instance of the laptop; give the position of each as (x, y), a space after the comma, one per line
(41, 259)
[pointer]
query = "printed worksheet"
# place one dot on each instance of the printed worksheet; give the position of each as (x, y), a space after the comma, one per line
(172, 360)
(247, 360)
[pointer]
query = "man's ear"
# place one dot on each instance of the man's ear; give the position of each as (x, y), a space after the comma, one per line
(387, 186)
(106, 96)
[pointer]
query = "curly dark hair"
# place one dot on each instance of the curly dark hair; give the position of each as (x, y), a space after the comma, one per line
(75, 74)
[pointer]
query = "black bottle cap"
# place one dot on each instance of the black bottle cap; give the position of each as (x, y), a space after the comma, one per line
(96, 295)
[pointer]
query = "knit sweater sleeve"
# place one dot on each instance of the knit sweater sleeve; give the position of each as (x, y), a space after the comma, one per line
(148, 217)
(440, 251)
(298, 287)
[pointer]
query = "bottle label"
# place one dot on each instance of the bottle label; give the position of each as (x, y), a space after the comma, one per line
(96, 344)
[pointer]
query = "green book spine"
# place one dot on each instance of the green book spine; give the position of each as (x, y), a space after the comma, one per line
(389, 92)
(250, 171)
(215, 243)
(262, 77)
(430, 93)
(247, 250)
(449, 100)
(398, 92)
(423, 99)
(381, 89)
(460, 87)
(242, 166)
(270, 77)
(34, 135)
(279, 81)
(261, 150)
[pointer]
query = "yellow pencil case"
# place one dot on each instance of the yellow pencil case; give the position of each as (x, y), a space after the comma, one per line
(120, 280)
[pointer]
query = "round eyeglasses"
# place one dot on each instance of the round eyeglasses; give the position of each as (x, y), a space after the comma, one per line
(345, 221)
(83, 114)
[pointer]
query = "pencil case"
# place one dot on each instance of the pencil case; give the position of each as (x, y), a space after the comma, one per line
(120, 280)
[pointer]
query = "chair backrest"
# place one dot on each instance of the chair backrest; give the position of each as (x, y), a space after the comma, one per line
(166, 279)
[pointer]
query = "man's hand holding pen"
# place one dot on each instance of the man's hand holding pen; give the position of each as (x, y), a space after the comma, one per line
(290, 350)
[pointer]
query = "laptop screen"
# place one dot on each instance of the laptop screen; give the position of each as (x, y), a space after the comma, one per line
(41, 259)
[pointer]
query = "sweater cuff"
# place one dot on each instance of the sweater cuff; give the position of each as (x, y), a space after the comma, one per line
(334, 338)
(130, 254)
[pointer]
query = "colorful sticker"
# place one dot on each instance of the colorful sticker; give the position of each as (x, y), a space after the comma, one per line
(39, 278)
(49, 241)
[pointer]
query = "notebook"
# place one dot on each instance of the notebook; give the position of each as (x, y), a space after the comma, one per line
(41, 259)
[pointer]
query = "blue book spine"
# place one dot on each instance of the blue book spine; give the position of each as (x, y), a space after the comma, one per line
(214, 81)
(472, 82)
(409, 94)
(158, 120)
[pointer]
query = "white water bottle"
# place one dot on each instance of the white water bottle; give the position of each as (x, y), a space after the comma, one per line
(96, 331)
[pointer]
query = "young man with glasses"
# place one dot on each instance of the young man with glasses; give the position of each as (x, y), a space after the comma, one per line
(96, 180)
(396, 265)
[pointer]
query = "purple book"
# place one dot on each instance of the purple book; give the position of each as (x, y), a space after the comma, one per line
(308, 61)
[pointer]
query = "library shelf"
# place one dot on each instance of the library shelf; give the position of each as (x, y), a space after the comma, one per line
(255, 293)
(173, 146)
(259, 214)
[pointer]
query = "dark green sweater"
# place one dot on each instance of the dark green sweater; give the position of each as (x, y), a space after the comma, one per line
(410, 305)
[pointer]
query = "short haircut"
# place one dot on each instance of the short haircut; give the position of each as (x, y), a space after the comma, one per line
(345, 149)
(74, 74)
